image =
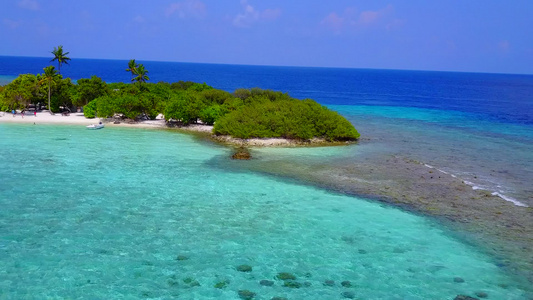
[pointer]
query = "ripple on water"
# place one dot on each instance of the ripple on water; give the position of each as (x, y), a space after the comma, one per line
(140, 214)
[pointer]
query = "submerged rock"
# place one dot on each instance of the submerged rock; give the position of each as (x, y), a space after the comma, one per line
(188, 280)
(172, 283)
(482, 294)
(246, 294)
(182, 257)
(292, 284)
(266, 282)
(329, 283)
(191, 282)
(221, 284)
(348, 295)
(458, 280)
(346, 284)
(242, 153)
(464, 297)
(285, 276)
(278, 298)
(244, 268)
(194, 283)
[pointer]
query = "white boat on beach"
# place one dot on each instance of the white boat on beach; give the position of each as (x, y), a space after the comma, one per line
(96, 126)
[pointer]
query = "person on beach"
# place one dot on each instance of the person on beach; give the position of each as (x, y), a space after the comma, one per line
(22, 112)
(14, 113)
(35, 113)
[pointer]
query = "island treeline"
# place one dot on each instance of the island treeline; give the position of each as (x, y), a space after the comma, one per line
(245, 113)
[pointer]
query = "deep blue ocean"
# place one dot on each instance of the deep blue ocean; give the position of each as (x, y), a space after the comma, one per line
(126, 213)
(489, 97)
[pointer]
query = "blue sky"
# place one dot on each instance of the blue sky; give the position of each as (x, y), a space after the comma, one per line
(446, 35)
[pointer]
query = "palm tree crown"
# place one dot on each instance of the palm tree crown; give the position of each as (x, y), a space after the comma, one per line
(141, 73)
(132, 67)
(60, 56)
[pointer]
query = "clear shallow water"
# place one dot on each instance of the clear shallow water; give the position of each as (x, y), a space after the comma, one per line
(476, 126)
(104, 214)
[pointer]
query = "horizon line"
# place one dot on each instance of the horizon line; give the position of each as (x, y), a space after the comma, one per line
(287, 66)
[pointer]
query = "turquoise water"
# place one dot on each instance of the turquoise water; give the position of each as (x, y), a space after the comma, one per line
(105, 214)
(5, 79)
(443, 119)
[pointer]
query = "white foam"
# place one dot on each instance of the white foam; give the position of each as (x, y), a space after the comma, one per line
(470, 184)
(442, 171)
(475, 187)
(514, 201)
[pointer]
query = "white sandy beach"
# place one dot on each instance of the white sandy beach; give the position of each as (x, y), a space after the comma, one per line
(78, 118)
(46, 118)
(73, 119)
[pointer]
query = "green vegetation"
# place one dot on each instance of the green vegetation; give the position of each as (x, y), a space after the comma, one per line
(89, 89)
(21, 92)
(49, 75)
(61, 57)
(286, 118)
(132, 66)
(245, 113)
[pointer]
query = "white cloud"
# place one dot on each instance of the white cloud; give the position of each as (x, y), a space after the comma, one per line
(11, 24)
(334, 22)
(29, 4)
(188, 8)
(251, 15)
(352, 19)
(270, 14)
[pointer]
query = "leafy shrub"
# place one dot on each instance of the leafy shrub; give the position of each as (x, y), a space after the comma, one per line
(89, 89)
(89, 110)
(211, 114)
(181, 85)
(184, 107)
(214, 96)
(293, 119)
(198, 87)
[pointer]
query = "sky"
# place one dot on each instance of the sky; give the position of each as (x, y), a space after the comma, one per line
(442, 35)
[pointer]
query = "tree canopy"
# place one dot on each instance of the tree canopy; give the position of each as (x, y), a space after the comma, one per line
(60, 56)
(245, 113)
(49, 75)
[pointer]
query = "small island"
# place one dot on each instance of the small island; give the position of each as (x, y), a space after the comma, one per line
(234, 118)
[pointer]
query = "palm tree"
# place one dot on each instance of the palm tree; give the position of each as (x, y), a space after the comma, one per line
(141, 72)
(132, 67)
(60, 57)
(50, 74)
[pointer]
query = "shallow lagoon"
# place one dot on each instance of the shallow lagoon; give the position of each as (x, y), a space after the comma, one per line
(105, 214)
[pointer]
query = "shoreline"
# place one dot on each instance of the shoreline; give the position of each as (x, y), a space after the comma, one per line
(503, 228)
(78, 118)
